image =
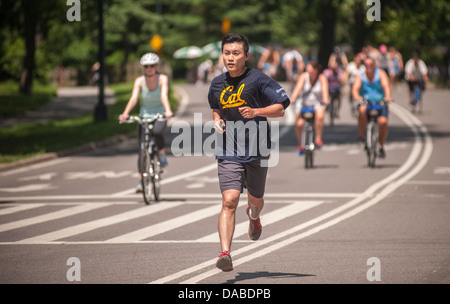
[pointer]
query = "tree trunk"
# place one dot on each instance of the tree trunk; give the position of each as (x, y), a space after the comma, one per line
(360, 29)
(30, 23)
(328, 11)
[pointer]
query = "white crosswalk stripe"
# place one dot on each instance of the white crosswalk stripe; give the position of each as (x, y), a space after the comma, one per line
(165, 226)
(143, 235)
(96, 224)
(18, 208)
(51, 216)
(267, 219)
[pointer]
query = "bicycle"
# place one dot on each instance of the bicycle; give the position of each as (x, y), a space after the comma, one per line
(333, 106)
(373, 112)
(308, 135)
(151, 176)
(417, 104)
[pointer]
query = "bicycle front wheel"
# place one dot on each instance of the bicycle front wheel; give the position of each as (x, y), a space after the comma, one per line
(309, 159)
(156, 177)
(146, 178)
(372, 141)
(416, 106)
(420, 107)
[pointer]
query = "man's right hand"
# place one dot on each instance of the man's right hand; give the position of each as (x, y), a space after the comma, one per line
(219, 126)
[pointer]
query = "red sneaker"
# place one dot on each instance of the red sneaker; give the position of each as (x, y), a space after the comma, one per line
(319, 143)
(254, 228)
(224, 262)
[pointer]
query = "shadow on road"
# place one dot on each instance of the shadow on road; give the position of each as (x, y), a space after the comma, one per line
(243, 276)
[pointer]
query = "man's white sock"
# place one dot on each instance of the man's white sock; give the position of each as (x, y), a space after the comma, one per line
(250, 214)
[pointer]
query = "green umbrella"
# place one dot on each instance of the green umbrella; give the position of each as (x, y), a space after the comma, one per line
(189, 52)
(213, 49)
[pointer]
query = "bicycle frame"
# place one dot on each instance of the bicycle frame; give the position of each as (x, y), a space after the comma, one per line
(373, 112)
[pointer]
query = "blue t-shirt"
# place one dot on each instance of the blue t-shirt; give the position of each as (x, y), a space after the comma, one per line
(245, 139)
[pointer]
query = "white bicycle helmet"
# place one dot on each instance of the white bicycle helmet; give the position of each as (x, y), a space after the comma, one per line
(149, 58)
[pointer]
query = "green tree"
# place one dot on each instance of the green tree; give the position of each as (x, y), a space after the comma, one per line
(37, 36)
(29, 19)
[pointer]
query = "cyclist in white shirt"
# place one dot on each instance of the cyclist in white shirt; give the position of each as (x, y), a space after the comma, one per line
(293, 65)
(312, 87)
(416, 74)
(354, 68)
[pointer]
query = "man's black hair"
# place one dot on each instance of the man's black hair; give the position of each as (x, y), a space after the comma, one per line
(230, 38)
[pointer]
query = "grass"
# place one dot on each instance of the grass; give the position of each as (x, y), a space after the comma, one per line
(13, 104)
(32, 139)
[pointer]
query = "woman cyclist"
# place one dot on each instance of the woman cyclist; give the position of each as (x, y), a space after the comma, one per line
(154, 89)
(313, 87)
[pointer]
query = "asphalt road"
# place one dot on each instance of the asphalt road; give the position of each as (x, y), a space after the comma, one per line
(77, 219)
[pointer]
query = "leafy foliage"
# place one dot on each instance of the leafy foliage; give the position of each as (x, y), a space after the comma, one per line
(129, 26)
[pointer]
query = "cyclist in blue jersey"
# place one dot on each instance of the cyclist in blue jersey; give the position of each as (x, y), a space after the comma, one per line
(373, 84)
(153, 88)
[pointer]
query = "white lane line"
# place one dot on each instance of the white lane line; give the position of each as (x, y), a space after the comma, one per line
(370, 192)
(165, 226)
(429, 183)
(96, 224)
(51, 216)
(18, 208)
(25, 188)
(36, 166)
(267, 219)
(173, 179)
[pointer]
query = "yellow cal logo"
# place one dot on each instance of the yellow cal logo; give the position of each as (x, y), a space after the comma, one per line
(234, 100)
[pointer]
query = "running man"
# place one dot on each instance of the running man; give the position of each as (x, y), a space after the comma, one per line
(242, 96)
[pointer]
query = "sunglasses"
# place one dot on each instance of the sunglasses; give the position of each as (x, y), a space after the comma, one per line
(150, 66)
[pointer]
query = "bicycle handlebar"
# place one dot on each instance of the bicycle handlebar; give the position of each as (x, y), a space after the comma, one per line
(365, 101)
(132, 119)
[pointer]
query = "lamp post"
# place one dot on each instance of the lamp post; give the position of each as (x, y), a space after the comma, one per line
(100, 113)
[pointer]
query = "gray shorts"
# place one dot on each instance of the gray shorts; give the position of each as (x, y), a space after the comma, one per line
(234, 175)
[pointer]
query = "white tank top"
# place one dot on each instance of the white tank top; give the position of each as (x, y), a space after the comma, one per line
(311, 96)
